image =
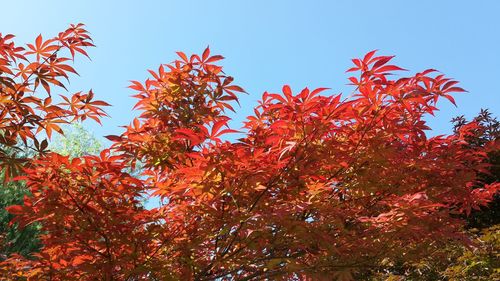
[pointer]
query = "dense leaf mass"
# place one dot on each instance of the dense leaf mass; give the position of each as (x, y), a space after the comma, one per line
(319, 186)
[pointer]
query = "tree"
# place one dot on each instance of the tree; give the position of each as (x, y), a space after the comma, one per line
(318, 187)
(76, 142)
(487, 133)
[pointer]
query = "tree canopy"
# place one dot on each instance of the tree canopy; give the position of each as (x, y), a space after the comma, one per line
(319, 186)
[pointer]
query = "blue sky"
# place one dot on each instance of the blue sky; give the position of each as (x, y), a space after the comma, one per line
(271, 43)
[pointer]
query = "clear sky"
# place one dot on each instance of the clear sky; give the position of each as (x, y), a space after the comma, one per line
(271, 43)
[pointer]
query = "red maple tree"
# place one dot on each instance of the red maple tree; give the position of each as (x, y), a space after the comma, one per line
(318, 186)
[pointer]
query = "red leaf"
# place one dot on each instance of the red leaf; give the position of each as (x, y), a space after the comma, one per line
(183, 56)
(15, 209)
(205, 55)
(388, 68)
(214, 59)
(317, 91)
(287, 91)
(368, 56)
(113, 138)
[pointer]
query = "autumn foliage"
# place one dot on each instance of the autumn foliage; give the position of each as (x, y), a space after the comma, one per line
(25, 111)
(318, 186)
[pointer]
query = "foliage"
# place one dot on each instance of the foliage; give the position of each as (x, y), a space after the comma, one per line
(479, 261)
(452, 263)
(76, 142)
(487, 133)
(12, 239)
(318, 187)
(24, 111)
(27, 115)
